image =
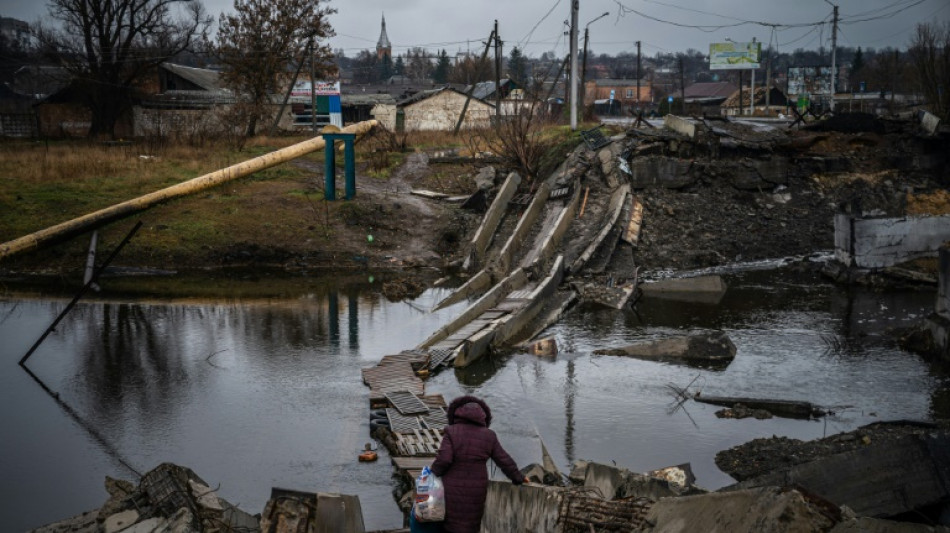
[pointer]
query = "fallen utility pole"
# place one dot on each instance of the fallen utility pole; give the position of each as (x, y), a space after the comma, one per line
(471, 89)
(89, 283)
(76, 226)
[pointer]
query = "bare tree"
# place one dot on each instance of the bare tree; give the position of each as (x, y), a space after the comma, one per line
(930, 57)
(109, 46)
(418, 66)
(261, 41)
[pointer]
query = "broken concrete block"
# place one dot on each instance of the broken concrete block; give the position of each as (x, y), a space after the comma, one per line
(150, 525)
(767, 509)
(712, 348)
(875, 525)
(866, 479)
(929, 122)
(702, 289)
(681, 125)
(658, 171)
(578, 471)
(614, 482)
(205, 497)
(120, 521)
(485, 179)
(522, 507)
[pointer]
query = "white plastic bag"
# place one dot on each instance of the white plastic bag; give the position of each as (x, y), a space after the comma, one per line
(430, 497)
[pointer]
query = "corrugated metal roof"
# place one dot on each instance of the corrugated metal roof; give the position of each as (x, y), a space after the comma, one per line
(719, 89)
(202, 77)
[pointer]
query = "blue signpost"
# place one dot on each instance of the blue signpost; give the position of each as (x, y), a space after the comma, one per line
(349, 165)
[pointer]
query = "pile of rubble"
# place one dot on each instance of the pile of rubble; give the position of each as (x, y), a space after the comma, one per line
(168, 499)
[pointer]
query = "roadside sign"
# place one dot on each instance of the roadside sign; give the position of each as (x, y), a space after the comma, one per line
(727, 56)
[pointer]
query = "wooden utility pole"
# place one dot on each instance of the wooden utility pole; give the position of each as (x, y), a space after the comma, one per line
(313, 93)
(834, 50)
(575, 7)
(497, 73)
(739, 112)
(638, 76)
(471, 88)
(290, 88)
(682, 87)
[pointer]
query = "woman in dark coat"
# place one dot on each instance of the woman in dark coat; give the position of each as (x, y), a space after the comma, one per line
(461, 463)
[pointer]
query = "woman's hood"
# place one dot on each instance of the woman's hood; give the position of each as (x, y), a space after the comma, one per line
(469, 409)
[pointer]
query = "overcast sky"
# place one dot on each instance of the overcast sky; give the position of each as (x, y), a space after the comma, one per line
(538, 26)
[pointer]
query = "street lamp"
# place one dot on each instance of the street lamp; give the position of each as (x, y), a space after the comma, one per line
(584, 68)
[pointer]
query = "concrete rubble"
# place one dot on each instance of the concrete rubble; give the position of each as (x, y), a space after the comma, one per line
(173, 499)
(699, 348)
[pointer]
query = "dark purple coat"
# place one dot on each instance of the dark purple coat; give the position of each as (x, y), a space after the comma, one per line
(461, 463)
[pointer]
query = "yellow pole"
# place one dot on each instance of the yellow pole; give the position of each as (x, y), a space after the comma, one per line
(78, 225)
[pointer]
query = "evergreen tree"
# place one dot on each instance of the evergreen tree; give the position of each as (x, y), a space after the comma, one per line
(385, 68)
(399, 67)
(517, 67)
(442, 68)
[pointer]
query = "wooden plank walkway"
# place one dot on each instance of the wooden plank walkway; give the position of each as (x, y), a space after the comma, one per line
(392, 377)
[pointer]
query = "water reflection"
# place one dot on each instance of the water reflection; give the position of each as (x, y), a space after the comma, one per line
(255, 392)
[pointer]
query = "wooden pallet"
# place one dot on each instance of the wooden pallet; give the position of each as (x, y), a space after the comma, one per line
(421, 442)
(439, 357)
(400, 423)
(435, 419)
(395, 376)
(407, 403)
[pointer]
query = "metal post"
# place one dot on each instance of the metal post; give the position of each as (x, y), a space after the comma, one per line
(834, 49)
(575, 6)
(584, 73)
(329, 167)
(92, 281)
(349, 162)
(752, 90)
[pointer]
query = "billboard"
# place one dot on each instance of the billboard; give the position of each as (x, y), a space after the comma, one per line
(809, 80)
(323, 88)
(728, 56)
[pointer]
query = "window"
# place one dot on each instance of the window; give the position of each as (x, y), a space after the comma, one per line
(629, 93)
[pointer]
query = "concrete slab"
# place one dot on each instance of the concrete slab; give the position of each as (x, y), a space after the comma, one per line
(120, 521)
(868, 479)
(750, 511)
(703, 289)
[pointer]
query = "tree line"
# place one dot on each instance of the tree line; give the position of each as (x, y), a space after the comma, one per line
(110, 46)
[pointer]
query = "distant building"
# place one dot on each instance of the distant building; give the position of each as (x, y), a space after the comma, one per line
(618, 92)
(705, 98)
(434, 110)
(383, 46)
(738, 103)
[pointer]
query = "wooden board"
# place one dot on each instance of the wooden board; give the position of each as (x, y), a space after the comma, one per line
(631, 234)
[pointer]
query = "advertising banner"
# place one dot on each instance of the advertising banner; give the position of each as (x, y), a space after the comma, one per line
(323, 88)
(731, 56)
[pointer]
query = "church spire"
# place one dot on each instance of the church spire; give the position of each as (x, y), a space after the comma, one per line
(383, 46)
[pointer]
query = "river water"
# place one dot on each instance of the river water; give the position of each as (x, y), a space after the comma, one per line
(256, 388)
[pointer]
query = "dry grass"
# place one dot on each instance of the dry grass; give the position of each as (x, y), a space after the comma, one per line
(935, 203)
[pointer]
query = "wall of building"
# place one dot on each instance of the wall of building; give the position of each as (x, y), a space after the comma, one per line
(883, 242)
(441, 111)
(386, 115)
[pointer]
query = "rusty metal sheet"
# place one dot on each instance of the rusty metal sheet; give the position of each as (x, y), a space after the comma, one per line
(632, 233)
